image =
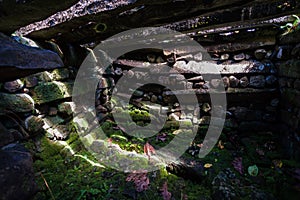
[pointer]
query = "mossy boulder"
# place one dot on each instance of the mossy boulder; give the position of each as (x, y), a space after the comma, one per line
(47, 92)
(34, 124)
(16, 102)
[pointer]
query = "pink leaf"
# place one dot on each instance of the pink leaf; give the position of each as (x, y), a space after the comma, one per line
(149, 150)
(238, 165)
(140, 180)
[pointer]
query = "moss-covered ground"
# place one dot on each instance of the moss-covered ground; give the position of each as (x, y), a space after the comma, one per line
(66, 170)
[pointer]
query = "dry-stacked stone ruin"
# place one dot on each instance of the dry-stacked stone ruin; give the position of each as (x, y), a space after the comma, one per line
(259, 71)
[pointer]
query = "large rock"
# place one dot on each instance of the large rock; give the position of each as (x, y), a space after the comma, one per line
(5, 136)
(51, 91)
(20, 13)
(18, 60)
(16, 173)
(257, 81)
(16, 102)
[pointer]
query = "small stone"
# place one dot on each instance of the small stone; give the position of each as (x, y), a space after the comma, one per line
(247, 56)
(257, 81)
(51, 121)
(59, 74)
(226, 81)
(205, 85)
(151, 58)
(13, 86)
(60, 132)
(197, 78)
(118, 71)
(102, 83)
(205, 120)
(180, 77)
(215, 83)
(190, 107)
(138, 93)
(271, 80)
(224, 57)
(206, 107)
(44, 76)
(233, 81)
(129, 73)
(260, 54)
(269, 54)
(173, 117)
(181, 85)
(176, 105)
(67, 108)
(164, 80)
(274, 102)
(52, 111)
(198, 56)
(153, 99)
(244, 82)
(189, 85)
(284, 52)
(159, 59)
(34, 124)
(269, 117)
(31, 81)
(140, 75)
(239, 57)
(195, 120)
(146, 97)
(261, 67)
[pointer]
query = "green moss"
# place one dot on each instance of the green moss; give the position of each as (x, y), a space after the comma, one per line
(51, 91)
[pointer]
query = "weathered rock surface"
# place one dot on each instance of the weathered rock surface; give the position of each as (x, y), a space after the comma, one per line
(21, 13)
(16, 102)
(18, 60)
(16, 173)
(47, 92)
(34, 124)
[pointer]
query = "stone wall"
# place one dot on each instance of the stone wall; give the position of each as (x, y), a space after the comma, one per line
(261, 81)
(36, 104)
(289, 84)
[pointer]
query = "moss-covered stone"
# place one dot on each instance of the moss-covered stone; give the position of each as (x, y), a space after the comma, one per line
(66, 108)
(16, 102)
(60, 74)
(34, 124)
(47, 92)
